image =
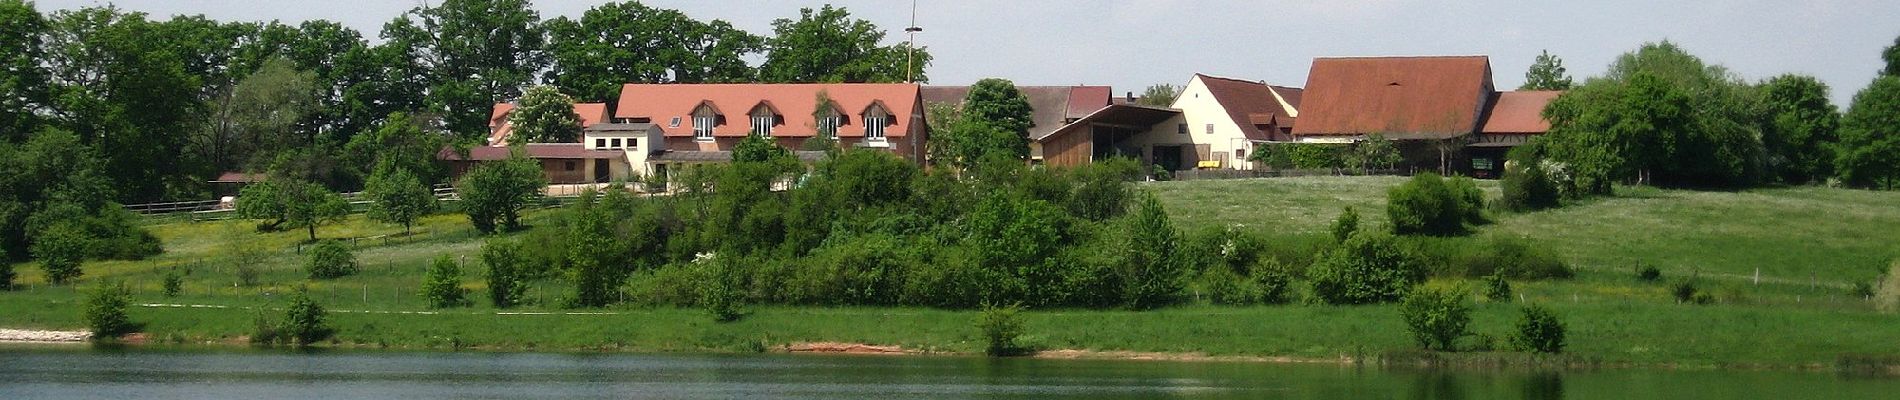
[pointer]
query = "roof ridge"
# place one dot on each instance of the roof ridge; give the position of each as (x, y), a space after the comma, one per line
(1484, 56)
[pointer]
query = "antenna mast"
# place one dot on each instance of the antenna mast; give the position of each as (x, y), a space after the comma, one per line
(910, 45)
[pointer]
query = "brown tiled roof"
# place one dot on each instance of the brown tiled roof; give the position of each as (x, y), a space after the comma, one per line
(1400, 97)
(1051, 106)
(535, 150)
(1249, 103)
(726, 156)
(1518, 112)
(239, 177)
(660, 103)
(499, 129)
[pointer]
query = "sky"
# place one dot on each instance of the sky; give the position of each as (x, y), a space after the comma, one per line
(1131, 44)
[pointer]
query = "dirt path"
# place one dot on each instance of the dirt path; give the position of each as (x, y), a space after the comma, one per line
(39, 336)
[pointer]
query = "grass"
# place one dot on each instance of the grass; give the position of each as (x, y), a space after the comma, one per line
(1810, 245)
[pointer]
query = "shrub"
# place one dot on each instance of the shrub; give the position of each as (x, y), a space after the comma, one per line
(1275, 283)
(173, 282)
(442, 287)
(721, 292)
(1101, 191)
(304, 320)
(1497, 289)
(264, 331)
(105, 311)
(1430, 205)
(1436, 318)
(1539, 330)
(1222, 286)
(1528, 187)
(507, 283)
(331, 259)
(6, 271)
(1366, 269)
(1155, 267)
(1513, 258)
(1346, 225)
(1686, 291)
(1648, 273)
(60, 249)
(1000, 327)
(247, 275)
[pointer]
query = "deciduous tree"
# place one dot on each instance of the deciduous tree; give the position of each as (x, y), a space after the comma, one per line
(397, 197)
(472, 53)
(628, 42)
(827, 45)
(1547, 73)
(493, 194)
(1802, 129)
(1870, 137)
(1159, 95)
(545, 116)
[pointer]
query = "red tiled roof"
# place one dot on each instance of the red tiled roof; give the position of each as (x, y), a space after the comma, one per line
(535, 150)
(660, 103)
(239, 177)
(499, 129)
(1518, 112)
(1401, 97)
(1249, 103)
(1084, 100)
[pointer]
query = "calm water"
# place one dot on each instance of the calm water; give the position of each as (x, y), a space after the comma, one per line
(80, 372)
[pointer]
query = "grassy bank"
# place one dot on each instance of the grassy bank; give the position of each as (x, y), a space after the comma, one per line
(1810, 245)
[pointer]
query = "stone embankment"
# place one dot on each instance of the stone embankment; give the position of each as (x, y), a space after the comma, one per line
(37, 336)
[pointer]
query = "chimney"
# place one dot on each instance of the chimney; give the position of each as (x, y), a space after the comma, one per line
(1131, 97)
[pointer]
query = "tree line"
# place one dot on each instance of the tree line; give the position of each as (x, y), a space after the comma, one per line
(118, 106)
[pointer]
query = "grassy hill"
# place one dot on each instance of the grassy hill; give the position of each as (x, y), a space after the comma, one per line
(1810, 245)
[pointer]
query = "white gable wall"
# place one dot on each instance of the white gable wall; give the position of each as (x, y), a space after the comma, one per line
(1199, 111)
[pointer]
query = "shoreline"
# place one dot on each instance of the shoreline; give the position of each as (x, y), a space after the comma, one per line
(40, 336)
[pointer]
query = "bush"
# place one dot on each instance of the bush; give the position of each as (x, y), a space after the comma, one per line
(1366, 269)
(6, 271)
(1001, 326)
(1528, 187)
(331, 259)
(1497, 289)
(1431, 205)
(304, 320)
(1513, 258)
(1275, 283)
(1436, 318)
(442, 287)
(173, 282)
(1346, 225)
(1539, 330)
(1648, 273)
(1686, 292)
(1101, 189)
(1222, 286)
(105, 311)
(264, 331)
(722, 293)
(60, 249)
(507, 283)
(1155, 266)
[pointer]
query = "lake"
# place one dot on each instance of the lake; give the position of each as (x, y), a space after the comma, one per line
(81, 372)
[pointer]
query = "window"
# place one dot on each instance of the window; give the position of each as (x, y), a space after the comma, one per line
(599, 143)
(675, 123)
(875, 120)
(703, 125)
(1181, 129)
(1210, 129)
(1240, 154)
(828, 127)
(569, 165)
(762, 125)
(616, 143)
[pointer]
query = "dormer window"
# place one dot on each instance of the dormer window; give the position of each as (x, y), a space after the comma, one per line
(704, 119)
(828, 126)
(876, 118)
(763, 118)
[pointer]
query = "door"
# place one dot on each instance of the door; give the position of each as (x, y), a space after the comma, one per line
(1168, 157)
(602, 171)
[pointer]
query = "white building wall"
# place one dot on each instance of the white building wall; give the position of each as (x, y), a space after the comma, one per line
(1201, 113)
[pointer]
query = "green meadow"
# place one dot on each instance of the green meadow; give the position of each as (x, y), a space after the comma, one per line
(1810, 245)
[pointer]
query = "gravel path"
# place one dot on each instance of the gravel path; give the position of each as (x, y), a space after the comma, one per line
(35, 336)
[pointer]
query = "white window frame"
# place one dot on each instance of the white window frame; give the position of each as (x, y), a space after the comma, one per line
(832, 124)
(762, 125)
(874, 127)
(703, 126)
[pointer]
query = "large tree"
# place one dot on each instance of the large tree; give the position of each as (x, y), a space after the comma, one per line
(1892, 57)
(401, 141)
(827, 45)
(1800, 137)
(472, 53)
(1870, 137)
(545, 116)
(126, 94)
(257, 116)
(994, 120)
(1547, 73)
(1662, 115)
(1159, 95)
(22, 77)
(620, 43)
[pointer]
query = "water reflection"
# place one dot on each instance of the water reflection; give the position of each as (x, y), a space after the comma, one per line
(224, 373)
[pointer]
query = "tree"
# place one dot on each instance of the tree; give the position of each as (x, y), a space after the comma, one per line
(22, 76)
(1366, 269)
(507, 277)
(1892, 56)
(401, 141)
(60, 250)
(493, 194)
(304, 320)
(1527, 186)
(619, 43)
(1802, 129)
(545, 116)
(1159, 95)
(105, 311)
(1375, 152)
(827, 45)
(291, 203)
(331, 259)
(118, 84)
(257, 116)
(995, 119)
(1155, 265)
(397, 197)
(823, 110)
(1870, 137)
(470, 54)
(1539, 330)
(1547, 73)
(443, 284)
(1617, 131)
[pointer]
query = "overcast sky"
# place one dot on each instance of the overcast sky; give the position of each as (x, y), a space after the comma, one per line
(1131, 44)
